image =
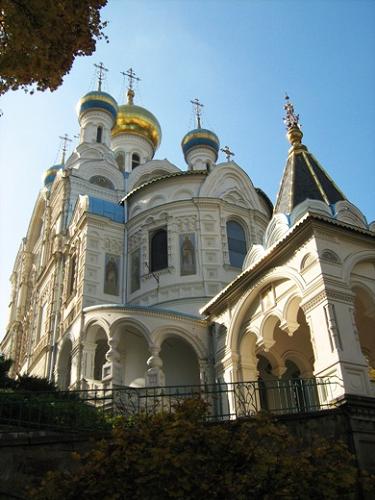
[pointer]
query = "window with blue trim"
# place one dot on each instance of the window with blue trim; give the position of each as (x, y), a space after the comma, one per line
(236, 243)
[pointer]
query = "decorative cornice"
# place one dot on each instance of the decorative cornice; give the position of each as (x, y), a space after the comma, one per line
(326, 295)
(158, 313)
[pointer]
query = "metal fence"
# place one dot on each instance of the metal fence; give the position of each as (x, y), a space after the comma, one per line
(93, 409)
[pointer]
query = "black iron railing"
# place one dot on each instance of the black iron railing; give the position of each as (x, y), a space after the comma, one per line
(93, 409)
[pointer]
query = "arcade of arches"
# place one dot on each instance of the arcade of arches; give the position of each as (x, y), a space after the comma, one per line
(128, 357)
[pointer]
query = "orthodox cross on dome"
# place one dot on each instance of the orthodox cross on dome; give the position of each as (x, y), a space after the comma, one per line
(131, 76)
(65, 139)
(290, 119)
(197, 110)
(228, 153)
(100, 72)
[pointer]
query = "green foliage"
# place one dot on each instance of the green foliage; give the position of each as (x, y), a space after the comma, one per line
(34, 402)
(49, 410)
(5, 365)
(39, 40)
(181, 456)
(34, 384)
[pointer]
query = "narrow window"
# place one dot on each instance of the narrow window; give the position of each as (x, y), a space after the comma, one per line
(159, 250)
(42, 321)
(236, 243)
(135, 160)
(72, 273)
(99, 134)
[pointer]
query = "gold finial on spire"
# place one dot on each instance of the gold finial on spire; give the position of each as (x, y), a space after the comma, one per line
(64, 147)
(197, 110)
(100, 72)
(292, 125)
(131, 79)
(228, 153)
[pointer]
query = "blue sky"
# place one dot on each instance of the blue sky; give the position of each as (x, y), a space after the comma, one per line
(238, 58)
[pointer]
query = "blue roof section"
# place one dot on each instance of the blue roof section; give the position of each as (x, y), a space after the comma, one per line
(107, 209)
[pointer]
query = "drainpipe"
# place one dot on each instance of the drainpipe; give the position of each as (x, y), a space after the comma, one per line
(212, 347)
(125, 252)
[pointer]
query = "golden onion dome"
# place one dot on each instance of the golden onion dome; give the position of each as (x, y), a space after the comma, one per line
(135, 120)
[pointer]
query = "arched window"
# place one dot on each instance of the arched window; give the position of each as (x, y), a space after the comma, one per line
(120, 159)
(102, 181)
(159, 250)
(236, 243)
(135, 160)
(99, 134)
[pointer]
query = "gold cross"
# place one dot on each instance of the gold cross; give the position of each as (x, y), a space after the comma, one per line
(131, 77)
(198, 110)
(101, 69)
(228, 153)
(65, 139)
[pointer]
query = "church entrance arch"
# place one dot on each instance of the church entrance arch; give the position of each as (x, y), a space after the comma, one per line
(180, 362)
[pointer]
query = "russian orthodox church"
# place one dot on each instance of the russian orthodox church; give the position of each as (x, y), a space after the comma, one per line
(135, 272)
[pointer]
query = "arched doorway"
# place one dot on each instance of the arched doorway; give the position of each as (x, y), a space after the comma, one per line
(364, 312)
(101, 349)
(133, 351)
(65, 366)
(95, 348)
(180, 362)
(286, 382)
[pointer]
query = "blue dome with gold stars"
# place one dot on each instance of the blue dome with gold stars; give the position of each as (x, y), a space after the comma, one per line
(50, 174)
(97, 100)
(200, 137)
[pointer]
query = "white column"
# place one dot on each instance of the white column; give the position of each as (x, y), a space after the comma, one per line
(337, 351)
(112, 369)
(154, 375)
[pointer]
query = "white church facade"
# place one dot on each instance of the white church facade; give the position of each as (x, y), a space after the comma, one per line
(137, 273)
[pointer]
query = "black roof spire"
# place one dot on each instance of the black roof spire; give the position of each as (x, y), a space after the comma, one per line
(303, 178)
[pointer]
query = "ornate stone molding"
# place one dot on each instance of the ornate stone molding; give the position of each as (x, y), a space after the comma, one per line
(145, 312)
(327, 295)
(332, 327)
(289, 326)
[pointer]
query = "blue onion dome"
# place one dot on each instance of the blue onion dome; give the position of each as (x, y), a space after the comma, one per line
(50, 174)
(200, 137)
(135, 120)
(97, 100)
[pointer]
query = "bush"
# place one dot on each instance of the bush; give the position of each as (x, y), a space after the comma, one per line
(181, 456)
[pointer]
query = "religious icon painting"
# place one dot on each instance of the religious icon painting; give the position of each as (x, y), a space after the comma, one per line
(187, 254)
(135, 271)
(111, 276)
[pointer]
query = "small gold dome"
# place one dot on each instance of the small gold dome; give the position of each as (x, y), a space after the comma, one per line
(132, 119)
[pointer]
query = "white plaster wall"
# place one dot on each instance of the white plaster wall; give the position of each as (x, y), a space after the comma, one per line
(175, 204)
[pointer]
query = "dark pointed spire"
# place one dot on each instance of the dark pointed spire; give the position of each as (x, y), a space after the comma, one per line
(304, 178)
